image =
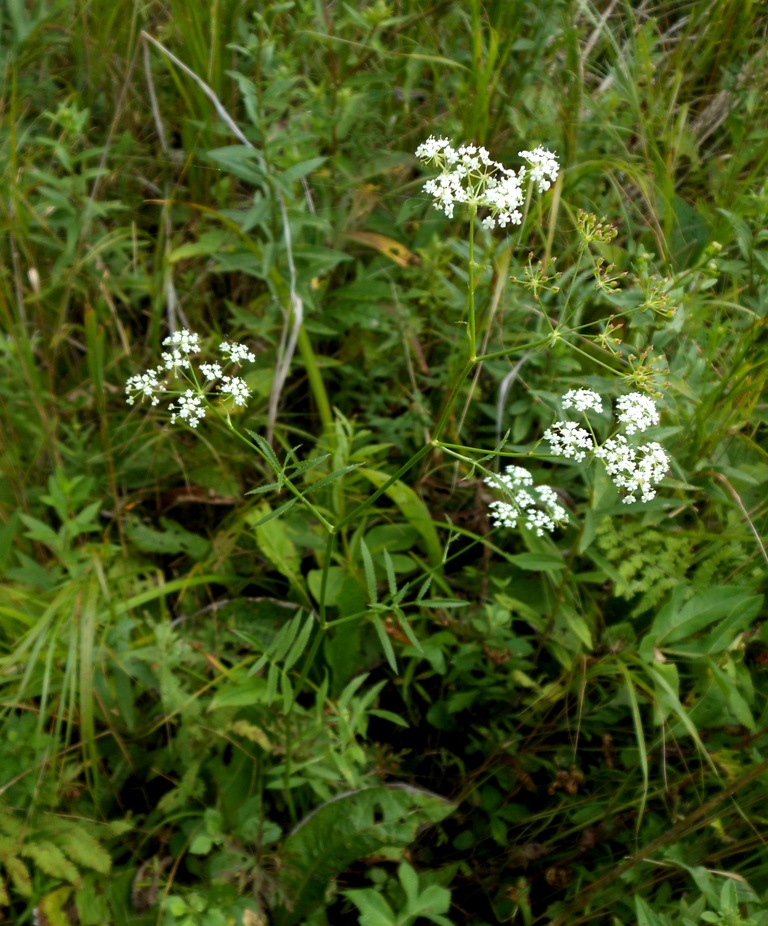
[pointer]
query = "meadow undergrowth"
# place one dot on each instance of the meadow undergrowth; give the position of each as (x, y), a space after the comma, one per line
(421, 576)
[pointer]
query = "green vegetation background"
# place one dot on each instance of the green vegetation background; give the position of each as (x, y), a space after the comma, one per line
(495, 728)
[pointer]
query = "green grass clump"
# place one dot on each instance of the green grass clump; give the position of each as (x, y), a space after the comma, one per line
(283, 667)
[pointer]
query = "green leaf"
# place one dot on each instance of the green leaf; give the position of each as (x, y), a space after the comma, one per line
(386, 643)
(413, 510)
(299, 644)
(645, 915)
(274, 543)
(344, 829)
(737, 607)
(302, 169)
(374, 909)
(38, 530)
(172, 539)
(19, 875)
(240, 693)
(370, 574)
(50, 859)
(85, 850)
(537, 562)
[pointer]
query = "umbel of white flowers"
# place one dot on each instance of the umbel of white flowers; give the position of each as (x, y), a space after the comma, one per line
(636, 469)
(198, 382)
(468, 175)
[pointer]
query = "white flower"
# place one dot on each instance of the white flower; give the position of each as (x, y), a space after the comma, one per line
(144, 385)
(469, 175)
(186, 341)
(211, 371)
(544, 167)
(190, 408)
(633, 470)
(191, 404)
(637, 412)
(236, 387)
(503, 514)
(237, 352)
(582, 400)
(182, 343)
(431, 147)
(537, 505)
(568, 439)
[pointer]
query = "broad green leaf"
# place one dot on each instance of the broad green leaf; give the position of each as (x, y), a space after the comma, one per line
(537, 562)
(645, 915)
(243, 693)
(344, 829)
(274, 543)
(302, 169)
(172, 539)
(374, 909)
(678, 619)
(413, 510)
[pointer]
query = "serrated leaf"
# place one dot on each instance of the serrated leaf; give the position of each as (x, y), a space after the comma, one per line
(344, 829)
(386, 643)
(370, 575)
(50, 859)
(85, 850)
(252, 733)
(19, 875)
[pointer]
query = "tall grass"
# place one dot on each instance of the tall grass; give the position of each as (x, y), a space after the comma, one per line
(508, 728)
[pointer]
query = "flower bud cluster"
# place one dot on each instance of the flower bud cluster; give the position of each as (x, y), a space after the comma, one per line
(191, 402)
(635, 470)
(469, 175)
(536, 506)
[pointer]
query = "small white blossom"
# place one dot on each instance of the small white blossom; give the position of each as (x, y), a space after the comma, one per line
(568, 439)
(503, 514)
(544, 167)
(189, 408)
(637, 412)
(145, 385)
(431, 147)
(186, 341)
(191, 404)
(536, 505)
(237, 352)
(236, 387)
(582, 400)
(182, 343)
(634, 470)
(211, 371)
(469, 175)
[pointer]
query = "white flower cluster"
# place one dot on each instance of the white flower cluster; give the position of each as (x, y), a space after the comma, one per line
(191, 402)
(468, 175)
(635, 470)
(536, 506)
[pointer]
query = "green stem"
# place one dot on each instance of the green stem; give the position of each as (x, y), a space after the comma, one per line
(471, 334)
(315, 378)
(281, 474)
